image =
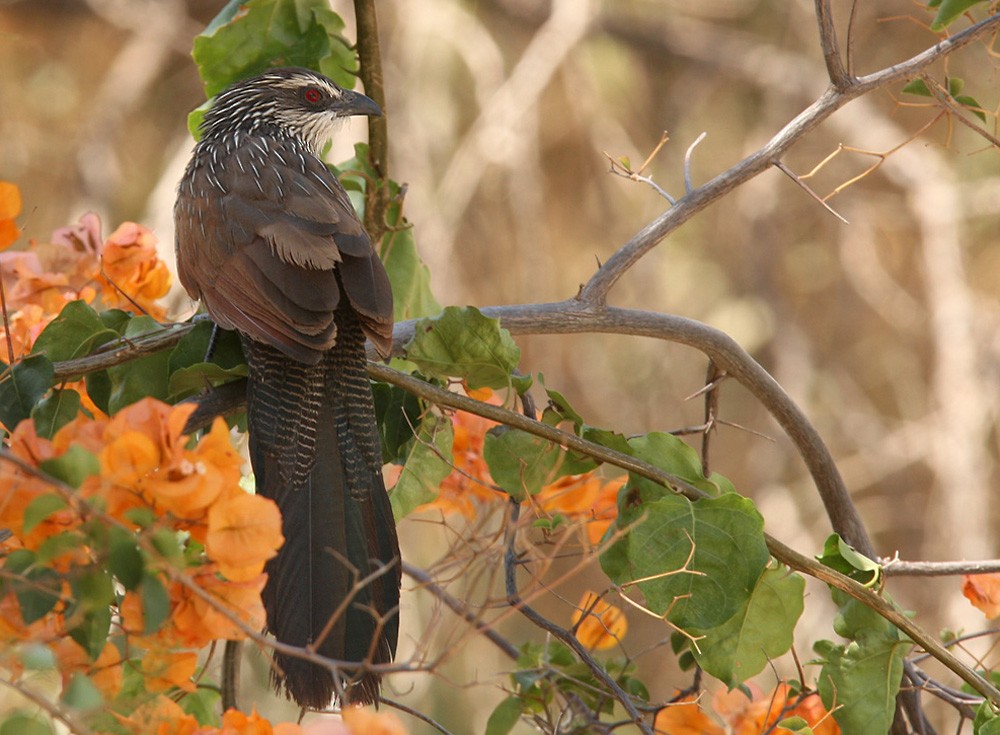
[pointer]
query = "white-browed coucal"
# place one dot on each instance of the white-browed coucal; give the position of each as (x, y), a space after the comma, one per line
(267, 239)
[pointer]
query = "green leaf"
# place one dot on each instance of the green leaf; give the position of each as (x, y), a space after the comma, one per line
(839, 555)
(796, 724)
(59, 544)
(155, 604)
(504, 716)
(202, 704)
(974, 107)
(36, 587)
(74, 333)
(462, 343)
(672, 455)
(862, 677)
(92, 631)
(427, 464)
(397, 413)
(21, 387)
(55, 411)
(247, 37)
(759, 632)
(987, 720)
(115, 319)
(522, 463)
(124, 559)
(918, 87)
(949, 11)
(146, 376)
(41, 508)
(194, 379)
(73, 466)
(37, 656)
(23, 723)
(658, 536)
(862, 680)
(81, 693)
(227, 352)
(99, 388)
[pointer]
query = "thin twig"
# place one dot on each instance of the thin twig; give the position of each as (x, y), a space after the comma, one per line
(780, 165)
(688, 155)
(563, 635)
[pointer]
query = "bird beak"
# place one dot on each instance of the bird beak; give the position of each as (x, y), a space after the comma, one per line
(355, 103)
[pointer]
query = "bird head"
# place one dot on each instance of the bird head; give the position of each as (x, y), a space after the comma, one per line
(292, 102)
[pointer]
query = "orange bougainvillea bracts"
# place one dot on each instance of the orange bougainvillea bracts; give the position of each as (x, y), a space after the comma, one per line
(10, 207)
(598, 624)
(983, 591)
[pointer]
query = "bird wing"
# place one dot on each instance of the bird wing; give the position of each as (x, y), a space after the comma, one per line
(268, 239)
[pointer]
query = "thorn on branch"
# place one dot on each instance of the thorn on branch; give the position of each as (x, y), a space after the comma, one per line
(805, 187)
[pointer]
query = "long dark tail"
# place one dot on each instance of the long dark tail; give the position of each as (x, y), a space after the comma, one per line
(315, 451)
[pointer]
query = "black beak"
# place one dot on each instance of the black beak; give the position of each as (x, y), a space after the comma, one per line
(355, 103)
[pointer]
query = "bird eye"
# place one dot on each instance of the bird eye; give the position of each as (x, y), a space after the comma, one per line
(312, 95)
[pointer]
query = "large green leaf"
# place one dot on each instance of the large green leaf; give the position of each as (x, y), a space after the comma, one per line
(398, 413)
(658, 536)
(145, 376)
(55, 411)
(74, 333)
(522, 463)
(249, 36)
(672, 455)
(427, 464)
(760, 631)
(462, 343)
(21, 387)
(862, 677)
(949, 11)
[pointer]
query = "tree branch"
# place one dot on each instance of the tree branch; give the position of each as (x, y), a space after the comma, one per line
(596, 289)
(370, 57)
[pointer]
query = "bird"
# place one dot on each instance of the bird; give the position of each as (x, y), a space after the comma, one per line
(268, 241)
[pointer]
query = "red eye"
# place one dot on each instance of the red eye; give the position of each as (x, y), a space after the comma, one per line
(312, 95)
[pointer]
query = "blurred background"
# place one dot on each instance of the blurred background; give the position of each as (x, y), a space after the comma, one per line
(885, 331)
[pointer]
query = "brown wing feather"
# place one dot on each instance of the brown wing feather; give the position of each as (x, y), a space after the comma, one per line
(269, 265)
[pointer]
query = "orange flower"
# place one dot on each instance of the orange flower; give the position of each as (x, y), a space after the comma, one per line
(24, 327)
(160, 716)
(14, 630)
(470, 481)
(105, 673)
(132, 270)
(196, 622)
(685, 717)
(145, 451)
(10, 207)
(983, 591)
(235, 722)
(587, 498)
(365, 722)
(18, 489)
(244, 531)
(165, 670)
(765, 710)
(604, 626)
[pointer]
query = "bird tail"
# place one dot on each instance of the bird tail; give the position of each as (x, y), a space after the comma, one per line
(334, 585)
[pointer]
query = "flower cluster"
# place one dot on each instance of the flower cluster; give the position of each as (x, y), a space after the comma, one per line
(120, 271)
(154, 488)
(759, 713)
